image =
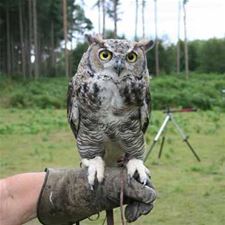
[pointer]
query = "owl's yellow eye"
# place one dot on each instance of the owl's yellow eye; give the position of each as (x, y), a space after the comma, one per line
(105, 55)
(131, 57)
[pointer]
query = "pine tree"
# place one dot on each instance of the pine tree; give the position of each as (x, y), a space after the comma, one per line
(143, 18)
(103, 17)
(178, 38)
(185, 41)
(36, 50)
(112, 10)
(22, 39)
(156, 42)
(65, 37)
(136, 20)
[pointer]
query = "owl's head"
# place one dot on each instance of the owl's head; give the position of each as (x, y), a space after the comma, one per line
(117, 58)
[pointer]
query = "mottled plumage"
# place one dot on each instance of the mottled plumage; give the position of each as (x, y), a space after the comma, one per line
(109, 105)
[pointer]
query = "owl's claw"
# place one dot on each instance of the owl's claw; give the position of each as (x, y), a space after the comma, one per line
(144, 183)
(129, 179)
(96, 167)
(92, 187)
(137, 165)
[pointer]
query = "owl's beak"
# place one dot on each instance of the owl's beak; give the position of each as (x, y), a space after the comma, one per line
(119, 65)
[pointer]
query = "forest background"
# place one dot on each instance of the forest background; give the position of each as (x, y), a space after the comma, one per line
(34, 35)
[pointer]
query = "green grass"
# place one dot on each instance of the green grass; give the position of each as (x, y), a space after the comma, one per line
(189, 192)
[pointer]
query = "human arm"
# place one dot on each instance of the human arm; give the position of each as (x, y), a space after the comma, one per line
(66, 196)
(19, 197)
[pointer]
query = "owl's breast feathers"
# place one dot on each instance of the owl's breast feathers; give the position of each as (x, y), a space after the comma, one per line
(102, 92)
(99, 102)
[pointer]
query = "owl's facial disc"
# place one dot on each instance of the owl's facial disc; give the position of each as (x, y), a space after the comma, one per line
(117, 62)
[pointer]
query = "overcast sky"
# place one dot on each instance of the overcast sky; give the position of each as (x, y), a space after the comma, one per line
(205, 18)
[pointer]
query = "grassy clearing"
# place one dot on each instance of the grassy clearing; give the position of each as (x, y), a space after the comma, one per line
(34, 139)
(189, 192)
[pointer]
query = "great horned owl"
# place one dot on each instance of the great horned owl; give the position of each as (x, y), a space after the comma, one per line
(108, 105)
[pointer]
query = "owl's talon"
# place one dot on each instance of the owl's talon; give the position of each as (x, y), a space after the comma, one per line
(96, 167)
(137, 165)
(91, 187)
(144, 183)
(129, 179)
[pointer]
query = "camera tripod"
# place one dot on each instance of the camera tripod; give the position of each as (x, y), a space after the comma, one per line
(162, 129)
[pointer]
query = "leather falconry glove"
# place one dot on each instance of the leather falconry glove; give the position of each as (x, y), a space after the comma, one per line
(66, 196)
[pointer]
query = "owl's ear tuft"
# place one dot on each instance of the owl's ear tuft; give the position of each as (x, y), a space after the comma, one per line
(145, 45)
(95, 39)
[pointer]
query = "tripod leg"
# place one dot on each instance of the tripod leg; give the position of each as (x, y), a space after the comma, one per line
(185, 138)
(161, 129)
(191, 148)
(149, 151)
(161, 147)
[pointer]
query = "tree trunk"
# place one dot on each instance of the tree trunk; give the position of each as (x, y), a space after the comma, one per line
(26, 48)
(52, 49)
(178, 38)
(36, 55)
(156, 42)
(143, 19)
(71, 59)
(2, 54)
(185, 45)
(13, 62)
(65, 37)
(136, 21)
(8, 41)
(22, 39)
(30, 37)
(103, 18)
(115, 18)
(99, 16)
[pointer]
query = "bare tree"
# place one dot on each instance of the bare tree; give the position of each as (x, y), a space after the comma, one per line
(185, 42)
(13, 61)
(36, 63)
(156, 41)
(143, 18)
(178, 37)
(30, 37)
(112, 11)
(115, 7)
(136, 20)
(52, 47)
(99, 16)
(22, 39)
(8, 40)
(103, 17)
(65, 37)
(98, 5)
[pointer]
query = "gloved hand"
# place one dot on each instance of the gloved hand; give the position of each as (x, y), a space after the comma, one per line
(66, 196)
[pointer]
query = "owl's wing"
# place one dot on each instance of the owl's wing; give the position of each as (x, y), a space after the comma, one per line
(72, 108)
(146, 111)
